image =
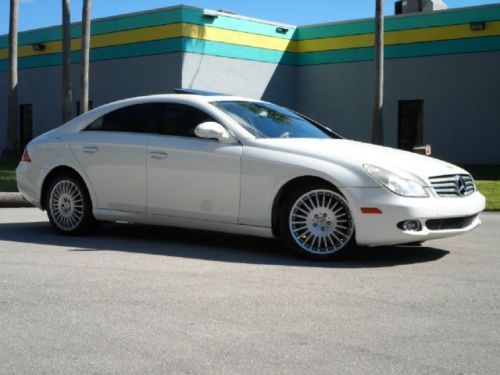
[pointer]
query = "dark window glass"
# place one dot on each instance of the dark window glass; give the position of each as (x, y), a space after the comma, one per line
(128, 119)
(265, 120)
(156, 118)
(181, 120)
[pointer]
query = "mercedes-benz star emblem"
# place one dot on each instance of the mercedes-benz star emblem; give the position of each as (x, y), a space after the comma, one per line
(460, 184)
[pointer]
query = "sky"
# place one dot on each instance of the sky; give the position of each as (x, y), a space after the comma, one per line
(34, 14)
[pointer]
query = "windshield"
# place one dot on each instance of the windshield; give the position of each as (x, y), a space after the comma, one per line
(265, 120)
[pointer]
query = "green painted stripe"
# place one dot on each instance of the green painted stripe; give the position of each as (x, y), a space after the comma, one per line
(458, 46)
(422, 20)
(155, 18)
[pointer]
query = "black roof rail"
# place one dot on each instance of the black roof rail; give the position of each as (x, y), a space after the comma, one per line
(197, 92)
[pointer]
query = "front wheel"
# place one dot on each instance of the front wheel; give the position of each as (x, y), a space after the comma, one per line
(316, 222)
(69, 207)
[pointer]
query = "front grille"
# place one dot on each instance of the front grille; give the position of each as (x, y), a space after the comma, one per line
(450, 223)
(448, 185)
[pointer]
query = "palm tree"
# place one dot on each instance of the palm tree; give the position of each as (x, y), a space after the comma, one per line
(378, 105)
(11, 143)
(84, 68)
(66, 66)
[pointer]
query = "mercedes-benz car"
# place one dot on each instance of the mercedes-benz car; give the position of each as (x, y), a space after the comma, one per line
(245, 166)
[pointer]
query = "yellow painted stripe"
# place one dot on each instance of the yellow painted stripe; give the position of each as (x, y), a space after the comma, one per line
(234, 37)
(107, 40)
(266, 42)
(162, 32)
(429, 34)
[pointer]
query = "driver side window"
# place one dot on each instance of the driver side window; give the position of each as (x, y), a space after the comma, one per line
(181, 120)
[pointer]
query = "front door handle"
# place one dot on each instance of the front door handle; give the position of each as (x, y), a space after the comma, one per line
(90, 149)
(158, 155)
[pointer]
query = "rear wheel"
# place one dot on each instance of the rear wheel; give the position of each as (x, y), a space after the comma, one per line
(69, 207)
(316, 221)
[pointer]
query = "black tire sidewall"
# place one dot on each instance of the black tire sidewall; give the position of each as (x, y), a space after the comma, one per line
(284, 228)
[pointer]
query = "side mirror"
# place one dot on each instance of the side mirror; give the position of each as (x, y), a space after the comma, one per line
(213, 130)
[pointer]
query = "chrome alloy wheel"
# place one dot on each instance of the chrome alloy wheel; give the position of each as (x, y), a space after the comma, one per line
(66, 205)
(320, 222)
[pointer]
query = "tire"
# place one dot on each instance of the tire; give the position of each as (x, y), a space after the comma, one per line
(69, 206)
(316, 222)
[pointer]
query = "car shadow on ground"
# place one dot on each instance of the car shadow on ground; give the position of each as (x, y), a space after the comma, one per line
(209, 246)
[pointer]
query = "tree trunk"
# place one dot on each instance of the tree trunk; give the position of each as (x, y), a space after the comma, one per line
(84, 68)
(378, 105)
(11, 142)
(66, 65)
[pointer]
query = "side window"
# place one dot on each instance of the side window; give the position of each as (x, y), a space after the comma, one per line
(139, 118)
(181, 120)
(157, 118)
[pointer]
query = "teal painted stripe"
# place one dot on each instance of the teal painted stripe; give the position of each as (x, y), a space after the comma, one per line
(470, 45)
(487, 44)
(155, 18)
(162, 47)
(236, 24)
(105, 53)
(104, 26)
(238, 52)
(450, 17)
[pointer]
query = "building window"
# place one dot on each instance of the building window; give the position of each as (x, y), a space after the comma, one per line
(410, 124)
(78, 110)
(25, 124)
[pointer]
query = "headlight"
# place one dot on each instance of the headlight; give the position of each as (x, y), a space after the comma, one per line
(405, 186)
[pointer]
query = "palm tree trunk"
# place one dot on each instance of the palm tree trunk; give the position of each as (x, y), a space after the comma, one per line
(378, 105)
(11, 143)
(66, 66)
(84, 68)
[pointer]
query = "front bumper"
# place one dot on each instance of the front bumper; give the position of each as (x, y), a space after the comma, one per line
(382, 229)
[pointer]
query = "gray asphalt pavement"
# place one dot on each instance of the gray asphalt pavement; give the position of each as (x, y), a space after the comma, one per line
(137, 299)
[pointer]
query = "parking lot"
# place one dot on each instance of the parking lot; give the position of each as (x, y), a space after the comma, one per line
(138, 299)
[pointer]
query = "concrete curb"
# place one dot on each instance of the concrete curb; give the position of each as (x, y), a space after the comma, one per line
(12, 200)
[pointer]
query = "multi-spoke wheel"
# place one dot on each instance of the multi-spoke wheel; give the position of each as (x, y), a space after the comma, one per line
(317, 222)
(68, 206)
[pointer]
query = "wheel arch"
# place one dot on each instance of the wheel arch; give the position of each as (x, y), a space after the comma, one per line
(286, 188)
(58, 171)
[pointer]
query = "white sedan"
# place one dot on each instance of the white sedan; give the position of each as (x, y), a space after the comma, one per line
(245, 166)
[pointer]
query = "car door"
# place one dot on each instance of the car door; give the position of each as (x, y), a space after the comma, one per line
(189, 177)
(112, 151)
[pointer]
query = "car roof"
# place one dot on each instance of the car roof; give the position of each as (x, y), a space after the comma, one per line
(185, 97)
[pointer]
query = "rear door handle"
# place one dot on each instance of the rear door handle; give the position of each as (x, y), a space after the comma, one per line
(158, 155)
(90, 149)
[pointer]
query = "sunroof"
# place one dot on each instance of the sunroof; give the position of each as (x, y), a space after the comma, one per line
(197, 92)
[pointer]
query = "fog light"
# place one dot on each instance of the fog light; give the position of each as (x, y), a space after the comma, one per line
(410, 225)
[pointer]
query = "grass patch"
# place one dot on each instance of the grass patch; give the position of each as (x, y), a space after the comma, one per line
(8, 174)
(487, 179)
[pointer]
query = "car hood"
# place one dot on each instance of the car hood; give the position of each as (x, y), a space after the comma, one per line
(359, 153)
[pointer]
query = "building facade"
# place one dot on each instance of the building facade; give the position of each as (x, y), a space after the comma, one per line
(442, 76)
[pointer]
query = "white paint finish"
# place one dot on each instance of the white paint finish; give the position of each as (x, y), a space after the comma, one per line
(382, 229)
(116, 165)
(196, 178)
(205, 184)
